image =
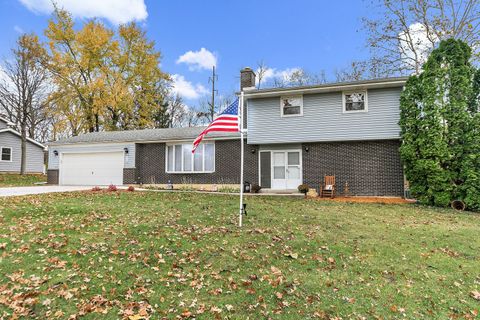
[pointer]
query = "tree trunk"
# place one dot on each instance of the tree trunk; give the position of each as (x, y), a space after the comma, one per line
(23, 162)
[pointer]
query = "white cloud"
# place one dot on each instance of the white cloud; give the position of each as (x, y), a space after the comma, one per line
(186, 89)
(419, 40)
(282, 76)
(116, 11)
(18, 29)
(197, 60)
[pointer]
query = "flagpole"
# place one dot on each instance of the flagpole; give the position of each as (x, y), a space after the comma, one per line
(242, 147)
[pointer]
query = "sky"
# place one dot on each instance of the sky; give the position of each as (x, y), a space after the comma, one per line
(193, 35)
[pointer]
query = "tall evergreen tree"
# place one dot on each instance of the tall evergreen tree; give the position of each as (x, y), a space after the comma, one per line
(440, 128)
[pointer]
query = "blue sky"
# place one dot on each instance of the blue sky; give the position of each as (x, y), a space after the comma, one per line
(311, 34)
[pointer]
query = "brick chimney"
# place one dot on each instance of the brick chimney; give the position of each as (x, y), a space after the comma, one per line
(247, 78)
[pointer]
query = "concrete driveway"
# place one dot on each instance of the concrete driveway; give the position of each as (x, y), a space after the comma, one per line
(24, 191)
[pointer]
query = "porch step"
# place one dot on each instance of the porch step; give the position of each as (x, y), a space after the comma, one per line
(274, 191)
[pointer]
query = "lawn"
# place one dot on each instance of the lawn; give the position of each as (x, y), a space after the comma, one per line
(181, 255)
(17, 180)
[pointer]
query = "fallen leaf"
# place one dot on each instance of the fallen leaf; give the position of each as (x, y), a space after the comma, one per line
(475, 295)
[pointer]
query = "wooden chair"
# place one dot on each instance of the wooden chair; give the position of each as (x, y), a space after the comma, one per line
(327, 189)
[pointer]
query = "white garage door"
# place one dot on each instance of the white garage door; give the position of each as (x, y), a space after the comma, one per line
(91, 169)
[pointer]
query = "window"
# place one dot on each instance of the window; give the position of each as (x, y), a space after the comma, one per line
(6, 154)
(355, 101)
(181, 160)
(291, 106)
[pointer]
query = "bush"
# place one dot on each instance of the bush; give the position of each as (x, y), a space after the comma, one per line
(255, 188)
(96, 189)
(112, 188)
(440, 121)
(131, 188)
(303, 188)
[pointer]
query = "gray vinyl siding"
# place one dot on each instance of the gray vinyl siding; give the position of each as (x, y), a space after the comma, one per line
(89, 148)
(35, 155)
(3, 125)
(323, 119)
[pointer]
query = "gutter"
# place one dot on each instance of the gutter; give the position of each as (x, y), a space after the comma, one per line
(368, 84)
(139, 141)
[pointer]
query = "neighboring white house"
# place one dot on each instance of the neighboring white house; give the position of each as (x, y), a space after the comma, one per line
(11, 151)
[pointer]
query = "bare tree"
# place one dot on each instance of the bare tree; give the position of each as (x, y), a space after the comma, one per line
(23, 91)
(205, 114)
(356, 71)
(262, 70)
(298, 77)
(407, 30)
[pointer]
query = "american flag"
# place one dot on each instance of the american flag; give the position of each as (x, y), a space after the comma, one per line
(227, 121)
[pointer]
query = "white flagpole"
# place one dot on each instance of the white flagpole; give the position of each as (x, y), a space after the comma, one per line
(241, 158)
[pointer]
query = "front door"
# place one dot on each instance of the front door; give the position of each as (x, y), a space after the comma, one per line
(286, 169)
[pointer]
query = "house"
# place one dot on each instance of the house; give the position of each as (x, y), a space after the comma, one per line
(11, 151)
(295, 135)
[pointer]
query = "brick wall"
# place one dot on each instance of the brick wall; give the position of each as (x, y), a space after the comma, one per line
(151, 165)
(370, 167)
(129, 175)
(52, 176)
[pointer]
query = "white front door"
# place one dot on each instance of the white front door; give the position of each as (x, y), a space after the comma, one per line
(91, 169)
(286, 169)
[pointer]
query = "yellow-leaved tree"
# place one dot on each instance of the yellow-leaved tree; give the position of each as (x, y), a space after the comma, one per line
(104, 79)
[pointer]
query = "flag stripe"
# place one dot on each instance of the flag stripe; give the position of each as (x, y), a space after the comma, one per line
(227, 121)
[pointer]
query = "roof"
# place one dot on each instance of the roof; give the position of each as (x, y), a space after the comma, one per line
(146, 135)
(18, 134)
(328, 87)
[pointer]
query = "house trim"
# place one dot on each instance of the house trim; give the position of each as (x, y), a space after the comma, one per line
(347, 86)
(20, 135)
(53, 144)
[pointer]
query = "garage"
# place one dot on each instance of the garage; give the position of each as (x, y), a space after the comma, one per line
(95, 169)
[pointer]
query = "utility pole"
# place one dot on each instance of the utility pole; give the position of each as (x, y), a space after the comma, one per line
(212, 79)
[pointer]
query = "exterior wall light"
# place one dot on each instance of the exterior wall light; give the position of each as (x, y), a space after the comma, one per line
(306, 148)
(253, 150)
(55, 152)
(125, 150)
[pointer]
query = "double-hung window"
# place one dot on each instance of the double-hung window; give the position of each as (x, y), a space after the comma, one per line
(355, 101)
(291, 106)
(180, 158)
(6, 154)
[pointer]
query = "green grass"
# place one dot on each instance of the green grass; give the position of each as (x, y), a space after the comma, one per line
(17, 180)
(168, 255)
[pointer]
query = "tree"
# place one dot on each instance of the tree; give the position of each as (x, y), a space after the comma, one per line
(404, 32)
(205, 112)
(23, 91)
(439, 128)
(356, 71)
(262, 71)
(111, 79)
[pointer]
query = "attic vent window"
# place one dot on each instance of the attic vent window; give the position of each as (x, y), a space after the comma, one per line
(355, 101)
(291, 106)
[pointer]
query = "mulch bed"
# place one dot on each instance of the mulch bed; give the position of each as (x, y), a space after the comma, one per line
(386, 200)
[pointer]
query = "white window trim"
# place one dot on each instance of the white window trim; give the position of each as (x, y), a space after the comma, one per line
(11, 154)
(344, 105)
(291, 115)
(202, 145)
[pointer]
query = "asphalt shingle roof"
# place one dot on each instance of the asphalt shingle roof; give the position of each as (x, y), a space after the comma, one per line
(168, 134)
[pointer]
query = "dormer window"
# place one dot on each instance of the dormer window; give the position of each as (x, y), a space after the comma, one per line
(355, 101)
(291, 106)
